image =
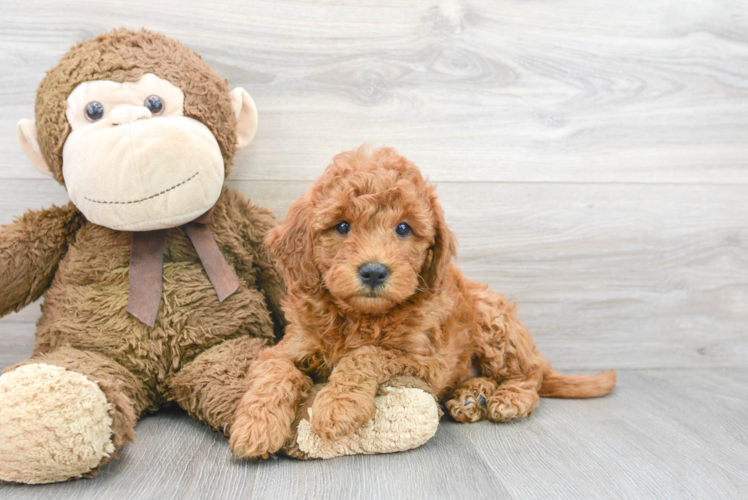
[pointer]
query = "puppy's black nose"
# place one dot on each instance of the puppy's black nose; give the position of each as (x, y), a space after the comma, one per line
(373, 274)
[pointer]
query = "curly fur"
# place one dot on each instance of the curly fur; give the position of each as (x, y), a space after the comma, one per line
(426, 321)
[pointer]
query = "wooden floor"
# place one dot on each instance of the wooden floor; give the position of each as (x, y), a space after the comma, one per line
(592, 158)
(663, 434)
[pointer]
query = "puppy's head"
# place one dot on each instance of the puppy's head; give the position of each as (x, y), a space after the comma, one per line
(370, 231)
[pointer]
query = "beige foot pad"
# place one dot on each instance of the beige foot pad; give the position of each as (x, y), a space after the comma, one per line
(404, 419)
(54, 424)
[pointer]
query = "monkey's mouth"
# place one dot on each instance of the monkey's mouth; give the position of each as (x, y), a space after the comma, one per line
(147, 197)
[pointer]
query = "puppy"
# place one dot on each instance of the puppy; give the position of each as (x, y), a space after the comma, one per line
(372, 294)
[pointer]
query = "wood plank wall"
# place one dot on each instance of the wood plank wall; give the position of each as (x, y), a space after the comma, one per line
(592, 158)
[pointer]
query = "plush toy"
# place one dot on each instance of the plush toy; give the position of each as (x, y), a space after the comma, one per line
(157, 287)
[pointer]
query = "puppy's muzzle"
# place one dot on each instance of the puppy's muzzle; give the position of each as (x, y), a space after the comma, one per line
(373, 274)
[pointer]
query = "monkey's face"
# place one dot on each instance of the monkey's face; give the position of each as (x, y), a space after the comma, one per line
(137, 151)
(133, 161)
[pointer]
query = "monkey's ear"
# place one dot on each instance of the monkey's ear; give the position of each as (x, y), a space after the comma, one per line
(246, 116)
(26, 134)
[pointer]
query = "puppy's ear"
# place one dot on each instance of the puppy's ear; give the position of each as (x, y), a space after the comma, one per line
(445, 247)
(292, 243)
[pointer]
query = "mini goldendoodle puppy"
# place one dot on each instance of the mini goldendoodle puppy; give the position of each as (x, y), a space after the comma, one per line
(373, 294)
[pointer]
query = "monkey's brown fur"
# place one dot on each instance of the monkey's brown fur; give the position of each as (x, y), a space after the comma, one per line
(427, 320)
(199, 351)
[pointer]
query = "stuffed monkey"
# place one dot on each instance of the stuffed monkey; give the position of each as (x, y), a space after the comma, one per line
(157, 288)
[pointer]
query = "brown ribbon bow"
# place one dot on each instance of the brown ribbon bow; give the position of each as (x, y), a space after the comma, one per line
(147, 262)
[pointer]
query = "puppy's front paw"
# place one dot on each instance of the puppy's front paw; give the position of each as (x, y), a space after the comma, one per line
(338, 415)
(258, 433)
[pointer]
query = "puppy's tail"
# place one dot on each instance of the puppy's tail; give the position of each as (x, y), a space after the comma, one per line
(557, 385)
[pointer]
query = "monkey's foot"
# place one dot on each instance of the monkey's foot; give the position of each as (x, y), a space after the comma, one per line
(405, 418)
(54, 425)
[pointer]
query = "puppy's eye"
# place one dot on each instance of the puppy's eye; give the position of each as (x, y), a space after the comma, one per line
(343, 228)
(94, 111)
(154, 104)
(402, 229)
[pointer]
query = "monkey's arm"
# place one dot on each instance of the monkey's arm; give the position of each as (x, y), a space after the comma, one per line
(30, 250)
(257, 221)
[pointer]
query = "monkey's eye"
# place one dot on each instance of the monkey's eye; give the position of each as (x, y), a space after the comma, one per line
(94, 111)
(343, 228)
(402, 229)
(154, 104)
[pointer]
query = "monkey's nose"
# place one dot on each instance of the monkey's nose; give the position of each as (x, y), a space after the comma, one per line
(123, 115)
(373, 274)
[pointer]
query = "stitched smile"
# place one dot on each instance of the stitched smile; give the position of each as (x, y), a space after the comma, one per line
(148, 197)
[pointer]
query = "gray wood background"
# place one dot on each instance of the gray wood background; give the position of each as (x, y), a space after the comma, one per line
(592, 158)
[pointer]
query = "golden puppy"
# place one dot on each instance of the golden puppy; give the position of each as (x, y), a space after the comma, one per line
(373, 294)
